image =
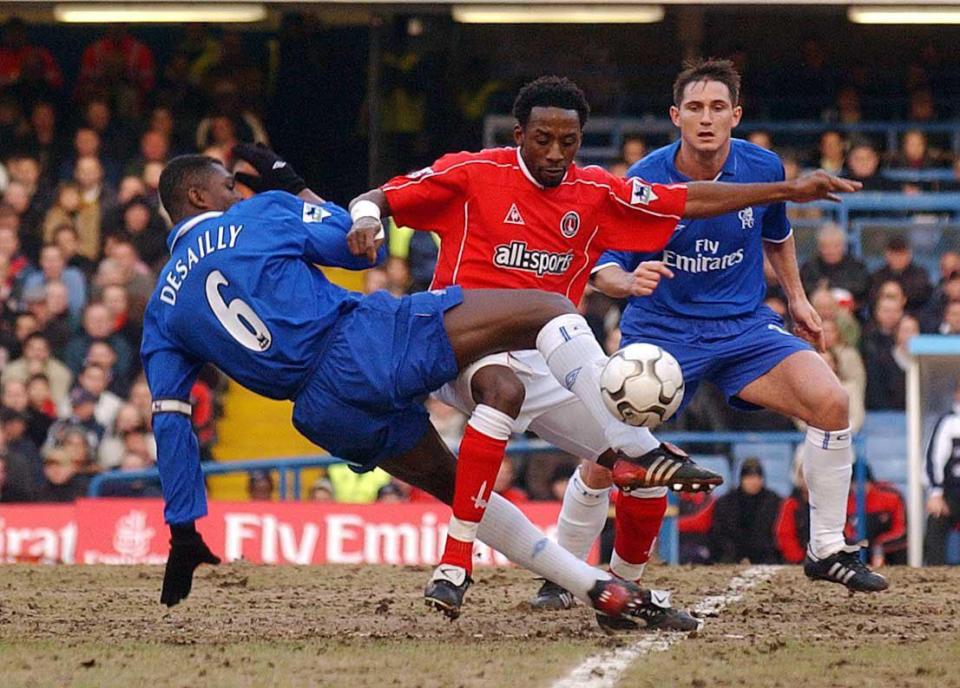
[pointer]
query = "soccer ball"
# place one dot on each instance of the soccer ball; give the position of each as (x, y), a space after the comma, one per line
(642, 385)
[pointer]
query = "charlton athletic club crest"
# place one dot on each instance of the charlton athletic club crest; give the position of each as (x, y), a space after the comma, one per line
(570, 224)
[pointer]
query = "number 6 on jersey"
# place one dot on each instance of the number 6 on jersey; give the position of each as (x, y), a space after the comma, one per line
(237, 317)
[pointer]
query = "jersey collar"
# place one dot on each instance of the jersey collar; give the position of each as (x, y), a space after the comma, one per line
(189, 224)
(728, 170)
(530, 177)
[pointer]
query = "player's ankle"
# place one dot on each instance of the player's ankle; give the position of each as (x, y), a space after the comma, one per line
(458, 553)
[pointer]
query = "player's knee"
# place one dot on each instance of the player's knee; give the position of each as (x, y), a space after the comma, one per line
(499, 388)
(832, 411)
(595, 476)
(548, 305)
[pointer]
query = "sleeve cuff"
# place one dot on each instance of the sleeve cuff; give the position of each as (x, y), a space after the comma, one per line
(603, 266)
(780, 241)
(936, 492)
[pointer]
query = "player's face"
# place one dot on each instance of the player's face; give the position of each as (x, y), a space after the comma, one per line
(218, 191)
(706, 116)
(549, 143)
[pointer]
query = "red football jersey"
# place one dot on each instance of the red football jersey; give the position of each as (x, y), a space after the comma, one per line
(499, 228)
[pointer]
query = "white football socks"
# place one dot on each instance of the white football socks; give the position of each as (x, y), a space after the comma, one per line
(575, 358)
(827, 467)
(582, 516)
(507, 530)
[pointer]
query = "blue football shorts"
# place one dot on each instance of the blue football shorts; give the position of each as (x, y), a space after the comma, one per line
(364, 401)
(729, 352)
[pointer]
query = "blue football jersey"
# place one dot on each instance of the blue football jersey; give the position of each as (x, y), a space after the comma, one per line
(717, 262)
(241, 291)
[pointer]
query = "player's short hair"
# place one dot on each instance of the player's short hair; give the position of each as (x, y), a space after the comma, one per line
(550, 91)
(711, 69)
(179, 174)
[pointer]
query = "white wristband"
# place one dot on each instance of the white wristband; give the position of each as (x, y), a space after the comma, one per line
(364, 208)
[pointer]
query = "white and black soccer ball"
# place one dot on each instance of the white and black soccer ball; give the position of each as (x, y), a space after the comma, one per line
(642, 385)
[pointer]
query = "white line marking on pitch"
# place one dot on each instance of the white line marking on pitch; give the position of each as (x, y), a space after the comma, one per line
(605, 669)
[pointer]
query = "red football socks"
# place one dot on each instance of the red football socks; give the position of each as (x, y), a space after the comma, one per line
(477, 467)
(637, 525)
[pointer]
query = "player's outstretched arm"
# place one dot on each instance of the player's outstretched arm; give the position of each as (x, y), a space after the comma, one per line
(706, 199)
(617, 283)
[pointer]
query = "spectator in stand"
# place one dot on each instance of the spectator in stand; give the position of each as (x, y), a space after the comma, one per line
(899, 267)
(949, 264)
(833, 267)
(847, 109)
(118, 303)
(618, 168)
(793, 521)
(65, 209)
(146, 231)
(356, 488)
(124, 267)
(44, 140)
(260, 486)
(321, 491)
(63, 479)
(19, 58)
(863, 165)
(37, 404)
(98, 326)
(922, 107)
(78, 422)
(13, 427)
(68, 239)
(93, 379)
(20, 470)
(57, 323)
(885, 388)
(54, 269)
(761, 138)
(633, 149)
(914, 151)
(37, 359)
(154, 147)
(886, 526)
(88, 144)
(744, 519)
(103, 355)
(96, 200)
(118, 65)
(390, 494)
(849, 369)
(12, 125)
(231, 120)
(398, 276)
(18, 266)
(828, 308)
(132, 461)
(907, 329)
(694, 524)
(943, 483)
(951, 319)
(129, 432)
(832, 152)
(504, 484)
(11, 491)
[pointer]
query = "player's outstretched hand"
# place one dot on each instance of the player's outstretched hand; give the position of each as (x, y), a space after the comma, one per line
(275, 174)
(807, 324)
(647, 276)
(365, 237)
(187, 552)
(819, 186)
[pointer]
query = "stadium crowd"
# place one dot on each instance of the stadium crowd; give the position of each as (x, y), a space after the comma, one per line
(82, 238)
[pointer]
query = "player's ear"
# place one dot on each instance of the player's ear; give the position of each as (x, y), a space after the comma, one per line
(737, 114)
(675, 115)
(197, 198)
(517, 134)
